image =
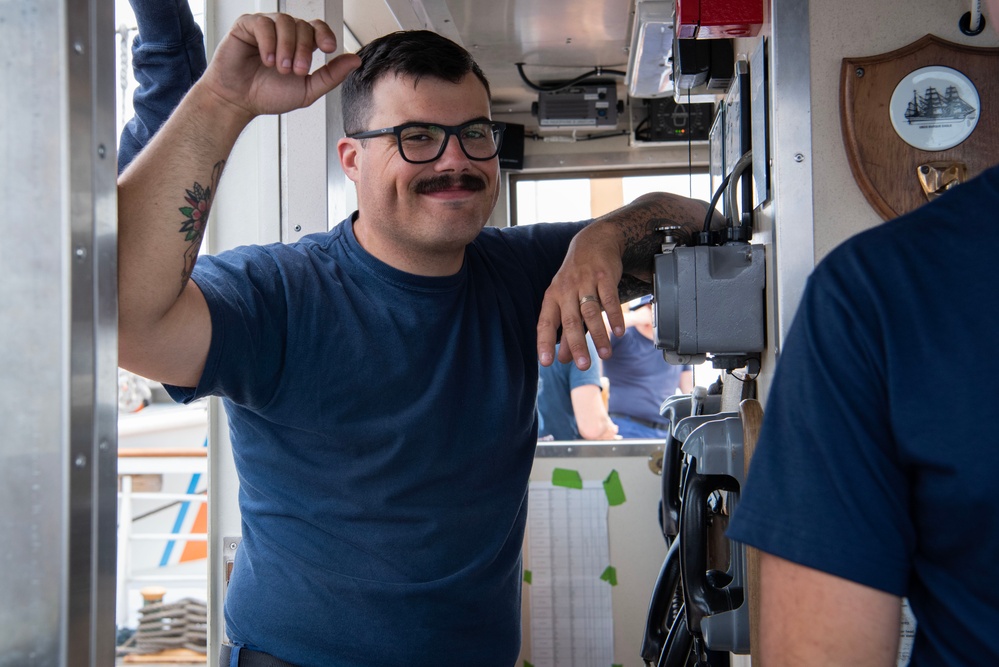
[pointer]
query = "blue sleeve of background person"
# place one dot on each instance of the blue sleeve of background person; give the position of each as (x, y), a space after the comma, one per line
(591, 375)
(556, 416)
(826, 489)
(168, 56)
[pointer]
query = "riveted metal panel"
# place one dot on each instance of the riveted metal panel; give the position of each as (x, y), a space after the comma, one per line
(58, 402)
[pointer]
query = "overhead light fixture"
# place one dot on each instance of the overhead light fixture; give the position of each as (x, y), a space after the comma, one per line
(649, 61)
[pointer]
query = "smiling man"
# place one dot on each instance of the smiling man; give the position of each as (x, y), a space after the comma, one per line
(400, 110)
(380, 378)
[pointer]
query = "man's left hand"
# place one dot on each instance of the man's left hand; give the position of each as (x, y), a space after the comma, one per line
(585, 287)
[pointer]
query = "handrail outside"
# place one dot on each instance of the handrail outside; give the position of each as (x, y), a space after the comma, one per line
(144, 459)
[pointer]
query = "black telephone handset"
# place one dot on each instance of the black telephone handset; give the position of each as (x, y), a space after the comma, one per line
(672, 470)
(704, 593)
(667, 641)
(683, 419)
(662, 614)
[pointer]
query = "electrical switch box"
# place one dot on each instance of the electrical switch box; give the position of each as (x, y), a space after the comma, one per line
(578, 106)
(709, 303)
(702, 63)
(668, 120)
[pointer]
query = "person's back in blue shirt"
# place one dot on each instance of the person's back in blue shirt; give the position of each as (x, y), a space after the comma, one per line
(877, 462)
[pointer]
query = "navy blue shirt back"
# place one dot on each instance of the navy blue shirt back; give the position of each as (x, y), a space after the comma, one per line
(877, 461)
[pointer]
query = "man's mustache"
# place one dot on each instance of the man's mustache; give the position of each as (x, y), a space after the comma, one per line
(442, 182)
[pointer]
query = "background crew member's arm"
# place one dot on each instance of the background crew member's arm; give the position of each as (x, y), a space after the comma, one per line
(168, 56)
(165, 195)
(592, 420)
(686, 383)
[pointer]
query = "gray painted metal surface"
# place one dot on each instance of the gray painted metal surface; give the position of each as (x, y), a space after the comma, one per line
(598, 448)
(709, 300)
(791, 136)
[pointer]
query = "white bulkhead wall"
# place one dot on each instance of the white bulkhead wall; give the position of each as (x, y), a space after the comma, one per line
(838, 209)
(855, 28)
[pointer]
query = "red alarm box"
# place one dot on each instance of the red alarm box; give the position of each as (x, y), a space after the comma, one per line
(717, 19)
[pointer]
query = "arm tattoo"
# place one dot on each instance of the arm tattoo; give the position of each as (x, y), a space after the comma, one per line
(199, 200)
(631, 287)
(639, 227)
(642, 241)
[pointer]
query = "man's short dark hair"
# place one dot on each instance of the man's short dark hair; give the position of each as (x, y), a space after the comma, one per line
(412, 53)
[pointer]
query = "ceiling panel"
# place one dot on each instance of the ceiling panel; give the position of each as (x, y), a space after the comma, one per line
(556, 39)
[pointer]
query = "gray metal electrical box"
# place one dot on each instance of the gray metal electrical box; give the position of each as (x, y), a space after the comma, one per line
(709, 303)
(578, 107)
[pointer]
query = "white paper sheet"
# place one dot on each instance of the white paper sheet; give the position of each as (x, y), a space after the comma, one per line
(572, 623)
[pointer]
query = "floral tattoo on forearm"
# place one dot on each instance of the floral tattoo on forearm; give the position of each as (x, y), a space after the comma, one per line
(199, 199)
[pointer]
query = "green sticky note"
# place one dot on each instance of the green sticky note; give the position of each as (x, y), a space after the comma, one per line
(527, 664)
(567, 478)
(613, 489)
(610, 575)
(617, 665)
(527, 576)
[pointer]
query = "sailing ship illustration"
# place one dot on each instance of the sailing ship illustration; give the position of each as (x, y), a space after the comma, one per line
(934, 107)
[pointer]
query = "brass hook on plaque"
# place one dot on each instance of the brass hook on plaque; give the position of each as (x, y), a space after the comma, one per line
(929, 102)
(938, 177)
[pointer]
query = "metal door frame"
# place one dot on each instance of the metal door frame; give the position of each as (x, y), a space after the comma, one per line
(58, 309)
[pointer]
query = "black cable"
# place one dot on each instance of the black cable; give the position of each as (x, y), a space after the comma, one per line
(638, 129)
(589, 137)
(743, 164)
(714, 202)
(167, 506)
(747, 378)
(596, 71)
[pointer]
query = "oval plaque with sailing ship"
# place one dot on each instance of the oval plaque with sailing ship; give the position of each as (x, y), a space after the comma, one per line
(934, 108)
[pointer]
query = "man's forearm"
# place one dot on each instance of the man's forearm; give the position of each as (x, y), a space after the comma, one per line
(164, 199)
(639, 224)
(609, 261)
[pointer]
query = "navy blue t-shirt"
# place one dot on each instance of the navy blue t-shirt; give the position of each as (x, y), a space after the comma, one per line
(383, 427)
(878, 457)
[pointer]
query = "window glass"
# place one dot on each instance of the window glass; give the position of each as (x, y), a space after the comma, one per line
(554, 200)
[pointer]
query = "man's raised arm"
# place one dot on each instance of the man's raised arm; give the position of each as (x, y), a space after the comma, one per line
(621, 244)
(166, 194)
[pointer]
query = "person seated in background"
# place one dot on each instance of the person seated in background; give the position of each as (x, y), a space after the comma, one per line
(571, 403)
(640, 379)
(869, 484)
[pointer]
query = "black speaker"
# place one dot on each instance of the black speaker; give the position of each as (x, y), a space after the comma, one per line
(511, 155)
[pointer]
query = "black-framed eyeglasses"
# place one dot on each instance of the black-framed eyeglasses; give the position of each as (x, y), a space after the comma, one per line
(420, 143)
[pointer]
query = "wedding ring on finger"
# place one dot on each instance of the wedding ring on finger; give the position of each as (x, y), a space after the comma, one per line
(587, 299)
